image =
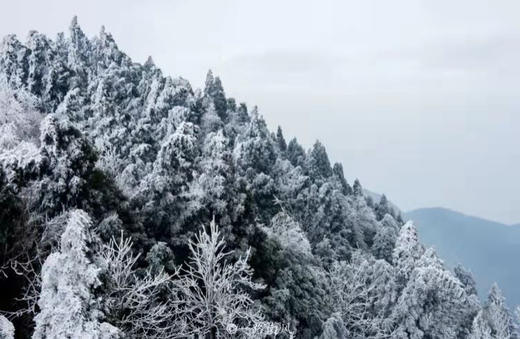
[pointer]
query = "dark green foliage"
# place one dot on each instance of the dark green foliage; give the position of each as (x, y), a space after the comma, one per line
(318, 164)
(357, 189)
(215, 91)
(337, 170)
(383, 208)
(281, 140)
(295, 153)
(466, 279)
(297, 295)
(385, 238)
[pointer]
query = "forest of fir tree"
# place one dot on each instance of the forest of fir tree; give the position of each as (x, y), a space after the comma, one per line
(134, 206)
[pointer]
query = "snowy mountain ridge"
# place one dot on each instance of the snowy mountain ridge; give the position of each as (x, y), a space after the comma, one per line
(136, 206)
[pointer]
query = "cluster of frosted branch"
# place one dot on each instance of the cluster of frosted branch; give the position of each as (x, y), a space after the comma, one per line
(134, 300)
(29, 269)
(207, 299)
(214, 292)
(352, 297)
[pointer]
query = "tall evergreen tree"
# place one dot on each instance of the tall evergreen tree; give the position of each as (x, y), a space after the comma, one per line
(69, 308)
(337, 170)
(357, 189)
(215, 91)
(295, 153)
(281, 140)
(318, 162)
(385, 238)
(383, 208)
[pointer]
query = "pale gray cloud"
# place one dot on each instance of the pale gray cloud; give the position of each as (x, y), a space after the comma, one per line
(419, 99)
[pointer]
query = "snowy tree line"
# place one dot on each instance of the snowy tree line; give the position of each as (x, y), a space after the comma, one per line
(114, 177)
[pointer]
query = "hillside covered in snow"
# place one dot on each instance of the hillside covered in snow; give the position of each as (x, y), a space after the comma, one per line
(135, 206)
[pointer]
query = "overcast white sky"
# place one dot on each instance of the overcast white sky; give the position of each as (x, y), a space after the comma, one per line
(419, 99)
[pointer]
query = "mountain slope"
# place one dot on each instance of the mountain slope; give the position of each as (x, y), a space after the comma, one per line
(489, 249)
(94, 146)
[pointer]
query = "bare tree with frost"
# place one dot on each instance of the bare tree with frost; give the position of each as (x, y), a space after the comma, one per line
(135, 300)
(359, 292)
(215, 292)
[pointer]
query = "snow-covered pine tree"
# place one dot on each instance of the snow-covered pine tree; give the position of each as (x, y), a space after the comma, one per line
(480, 328)
(318, 164)
(295, 153)
(383, 207)
(216, 170)
(68, 304)
(215, 92)
(407, 252)
(466, 278)
(494, 320)
(385, 238)
(282, 145)
(337, 170)
(433, 302)
(497, 314)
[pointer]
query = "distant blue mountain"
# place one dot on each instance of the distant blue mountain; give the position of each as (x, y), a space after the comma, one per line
(490, 250)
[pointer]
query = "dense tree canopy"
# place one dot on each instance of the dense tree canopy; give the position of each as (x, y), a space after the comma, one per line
(95, 147)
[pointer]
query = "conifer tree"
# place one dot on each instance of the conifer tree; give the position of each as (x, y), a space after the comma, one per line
(383, 207)
(281, 140)
(295, 153)
(215, 91)
(385, 238)
(318, 162)
(337, 170)
(497, 314)
(69, 308)
(357, 189)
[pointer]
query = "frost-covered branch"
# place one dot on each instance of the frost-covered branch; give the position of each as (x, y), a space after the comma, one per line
(354, 296)
(215, 291)
(136, 300)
